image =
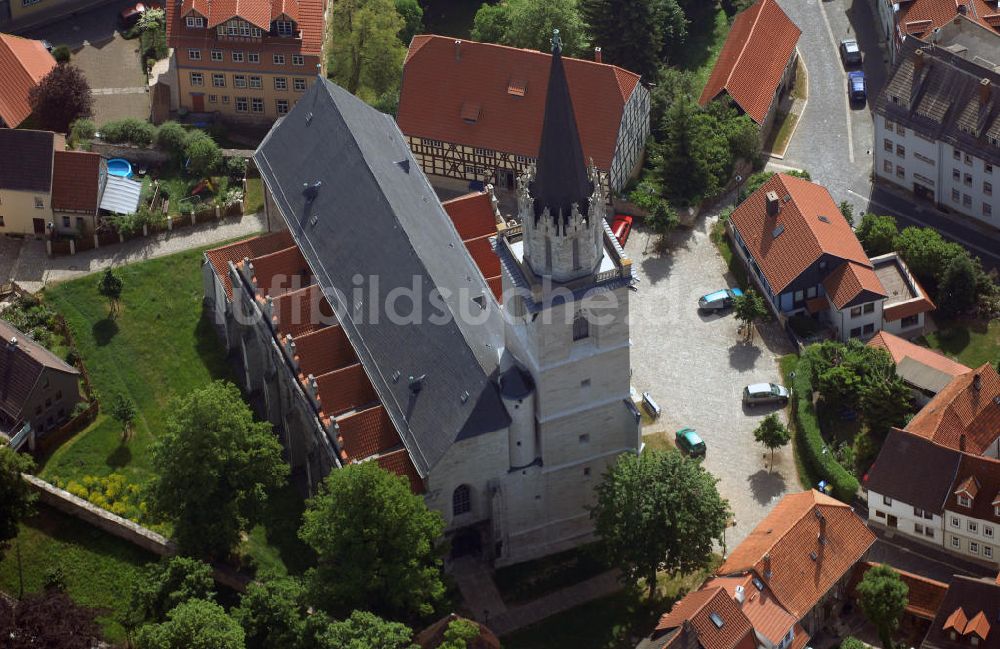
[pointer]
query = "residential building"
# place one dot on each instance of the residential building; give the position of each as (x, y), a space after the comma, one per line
(778, 587)
(968, 616)
(924, 597)
(23, 64)
(247, 61)
(804, 257)
(937, 131)
(502, 411)
(926, 371)
(472, 112)
(965, 415)
(925, 19)
(46, 190)
(37, 387)
(756, 66)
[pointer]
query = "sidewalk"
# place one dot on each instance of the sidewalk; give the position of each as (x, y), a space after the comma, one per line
(33, 269)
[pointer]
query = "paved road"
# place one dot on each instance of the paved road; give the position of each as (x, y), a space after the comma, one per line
(696, 368)
(834, 140)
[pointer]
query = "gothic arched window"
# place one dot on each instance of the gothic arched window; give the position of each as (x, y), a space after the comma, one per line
(581, 326)
(461, 500)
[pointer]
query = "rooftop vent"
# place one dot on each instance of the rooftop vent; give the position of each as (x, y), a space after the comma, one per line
(773, 205)
(813, 556)
(818, 514)
(824, 219)
(417, 383)
(404, 165)
(977, 382)
(517, 87)
(777, 231)
(395, 376)
(758, 584)
(821, 539)
(13, 341)
(311, 191)
(716, 620)
(739, 594)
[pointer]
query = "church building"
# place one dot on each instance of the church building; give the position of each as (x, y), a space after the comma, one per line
(485, 360)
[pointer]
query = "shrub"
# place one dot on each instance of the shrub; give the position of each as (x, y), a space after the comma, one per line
(128, 130)
(202, 152)
(819, 460)
(171, 137)
(62, 54)
(236, 167)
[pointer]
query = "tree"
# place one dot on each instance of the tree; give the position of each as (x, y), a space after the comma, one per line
(877, 234)
(850, 642)
(164, 586)
(772, 434)
(672, 85)
(123, 409)
(62, 54)
(755, 181)
(413, 19)
(376, 545)
(171, 138)
(110, 286)
(886, 400)
(663, 218)
(633, 34)
(15, 495)
(926, 253)
(694, 155)
(957, 291)
(658, 511)
(216, 467)
(847, 210)
(195, 624)
(883, 596)
(203, 154)
(529, 24)
(748, 309)
(459, 634)
(490, 23)
(840, 386)
(62, 96)
(272, 613)
(362, 630)
(49, 619)
(365, 54)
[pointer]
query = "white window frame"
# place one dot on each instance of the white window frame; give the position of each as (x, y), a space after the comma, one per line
(217, 55)
(278, 106)
(281, 83)
(194, 54)
(194, 22)
(973, 547)
(253, 57)
(964, 501)
(255, 103)
(278, 59)
(255, 81)
(237, 56)
(956, 542)
(245, 102)
(197, 79)
(218, 80)
(298, 59)
(239, 81)
(284, 27)
(298, 84)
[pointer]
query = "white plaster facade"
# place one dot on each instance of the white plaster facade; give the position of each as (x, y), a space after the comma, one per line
(924, 526)
(971, 537)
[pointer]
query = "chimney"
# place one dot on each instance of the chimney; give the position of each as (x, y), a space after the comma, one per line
(773, 204)
(13, 341)
(961, 442)
(597, 55)
(458, 50)
(962, 9)
(977, 382)
(918, 61)
(984, 91)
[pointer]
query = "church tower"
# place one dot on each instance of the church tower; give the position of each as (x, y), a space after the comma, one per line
(567, 370)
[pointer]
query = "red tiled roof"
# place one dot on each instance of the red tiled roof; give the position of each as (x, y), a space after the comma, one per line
(399, 462)
(280, 272)
(900, 348)
(308, 15)
(753, 59)
(440, 77)
(236, 252)
(925, 595)
(23, 64)
(979, 478)
(345, 389)
(323, 351)
(367, 433)
(482, 253)
(768, 617)
(961, 413)
(803, 238)
(908, 308)
(699, 607)
(472, 215)
(919, 17)
(76, 178)
(851, 280)
(781, 548)
(300, 312)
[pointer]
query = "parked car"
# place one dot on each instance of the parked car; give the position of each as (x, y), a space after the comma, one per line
(130, 14)
(689, 443)
(621, 226)
(850, 53)
(764, 393)
(857, 89)
(719, 300)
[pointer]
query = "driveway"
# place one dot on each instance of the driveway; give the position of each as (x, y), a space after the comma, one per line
(110, 63)
(695, 367)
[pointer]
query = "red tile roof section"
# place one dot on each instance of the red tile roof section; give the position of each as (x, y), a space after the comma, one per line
(962, 411)
(323, 351)
(849, 281)
(908, 308)
(805, 237)
(472, 215)
(300, 312)
(399, 462)
(440, 77)
(765, 612)
(925, 595)
(956, 620)
(76, 177)
(900, 348)
(345, 389)
(753, 59)
(780, 549)
(23, 64)
(281, 272)
(919, 17)
(698, 607)
(367, 433)
(236, 252)
(258, 12)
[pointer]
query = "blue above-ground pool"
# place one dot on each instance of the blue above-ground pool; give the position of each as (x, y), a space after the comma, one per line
(120, 167)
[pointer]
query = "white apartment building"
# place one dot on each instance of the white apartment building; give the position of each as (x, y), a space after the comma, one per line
(937, 130)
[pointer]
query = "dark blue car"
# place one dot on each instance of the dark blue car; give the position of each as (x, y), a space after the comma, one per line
(856, 87)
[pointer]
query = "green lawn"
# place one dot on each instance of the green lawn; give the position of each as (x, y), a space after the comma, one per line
(787, 364)
(158, 347)
(971, 343)
(255, 196)
(706, 34)
(98, 567)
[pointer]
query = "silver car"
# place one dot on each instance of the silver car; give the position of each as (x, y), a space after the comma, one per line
(765, 393)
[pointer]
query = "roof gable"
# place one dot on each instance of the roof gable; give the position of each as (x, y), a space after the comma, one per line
(970, 607)
(23, 64)
(852, 282)
(461, 72)
(753, 59)
(965, 415)
(76, 181)
(913, 470)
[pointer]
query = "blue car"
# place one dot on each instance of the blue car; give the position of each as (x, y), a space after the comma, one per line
(856, 88)
(719, 300)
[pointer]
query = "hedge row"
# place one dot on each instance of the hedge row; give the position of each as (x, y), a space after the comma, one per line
(810, 442)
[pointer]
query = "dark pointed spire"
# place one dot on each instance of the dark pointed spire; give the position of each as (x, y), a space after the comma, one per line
(561, 174)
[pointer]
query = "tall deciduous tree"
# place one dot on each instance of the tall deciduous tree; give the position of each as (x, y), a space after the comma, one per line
(529, 24)
(926, 253)
(772, 434)
(365, 53)
(958, 288)
(195, 624)
(62, 96)
(376, 543)
(749, 308)
(49, 619)
(272, 613)
(658, 511)
(165, 585)
(883, 596)
(362, 630)
(216, 467)
(123, 409)
(459, 634)
(15, 495)
(877, 233)
(110, 286)
(634, 34)
(413, 19)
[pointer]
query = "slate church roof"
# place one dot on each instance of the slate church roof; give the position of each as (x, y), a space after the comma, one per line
(370, 212)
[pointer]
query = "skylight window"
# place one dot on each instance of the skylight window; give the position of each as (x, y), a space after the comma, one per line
(717, 620)
(758, 584)
(777, 231)
(517, 87)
